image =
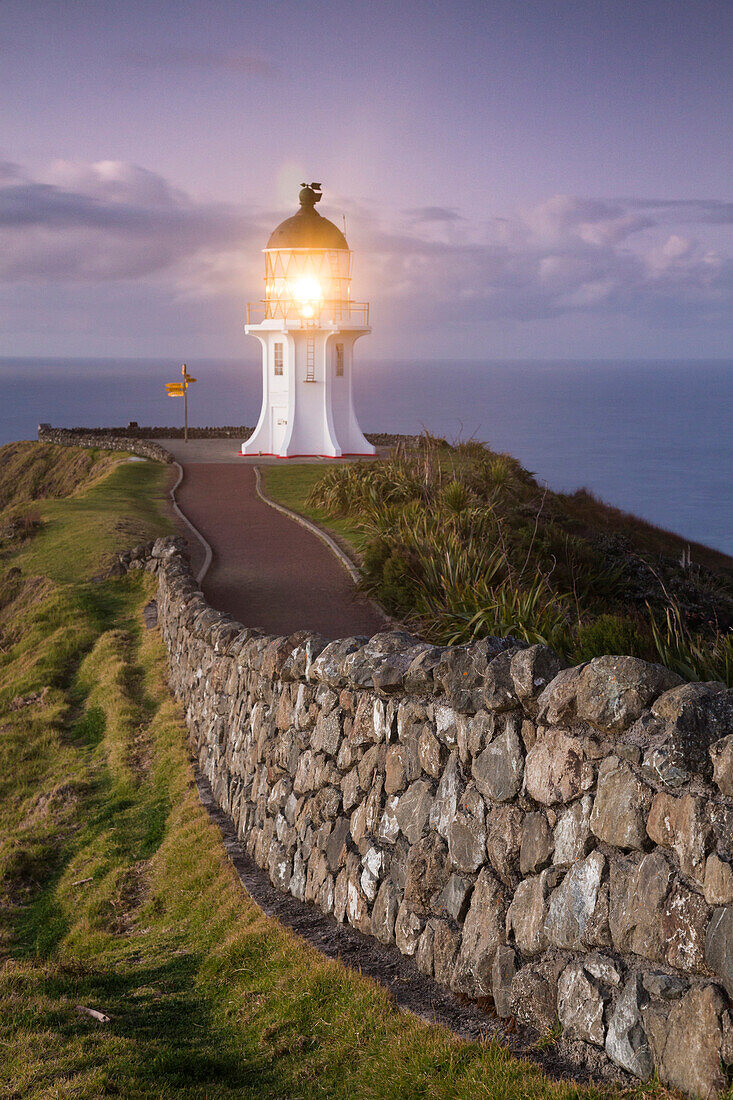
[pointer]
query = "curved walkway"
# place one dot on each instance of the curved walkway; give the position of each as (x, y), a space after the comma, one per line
(267, 571)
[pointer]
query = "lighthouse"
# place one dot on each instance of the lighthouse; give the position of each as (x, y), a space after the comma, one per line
(307, 326)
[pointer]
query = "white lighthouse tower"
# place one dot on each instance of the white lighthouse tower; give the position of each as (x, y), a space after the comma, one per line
(307, 326)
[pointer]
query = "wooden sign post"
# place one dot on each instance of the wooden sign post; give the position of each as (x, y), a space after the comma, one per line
(180, 389)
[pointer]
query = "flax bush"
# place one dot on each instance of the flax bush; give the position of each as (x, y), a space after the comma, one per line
(462, 543)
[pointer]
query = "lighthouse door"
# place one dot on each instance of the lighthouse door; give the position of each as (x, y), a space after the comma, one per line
(279, 425)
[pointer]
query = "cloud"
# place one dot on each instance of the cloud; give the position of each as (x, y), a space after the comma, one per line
(83, 227)
(563, 256)
(10, 172)
(109, 220)
(702, 211)
(423, 214)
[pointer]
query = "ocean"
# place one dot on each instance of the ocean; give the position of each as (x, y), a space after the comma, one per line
(651, 437)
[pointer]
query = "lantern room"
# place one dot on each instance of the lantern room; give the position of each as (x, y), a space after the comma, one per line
(307, 325)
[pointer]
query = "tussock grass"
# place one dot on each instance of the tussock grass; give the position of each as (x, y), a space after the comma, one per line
(460, 542)
(117, 894)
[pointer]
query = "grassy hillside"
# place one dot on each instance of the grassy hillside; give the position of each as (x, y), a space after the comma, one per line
(461, 542)
(116, 895)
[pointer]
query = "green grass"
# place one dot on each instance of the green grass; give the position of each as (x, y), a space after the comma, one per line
(116, 893)
(292, 486)
(121, 510)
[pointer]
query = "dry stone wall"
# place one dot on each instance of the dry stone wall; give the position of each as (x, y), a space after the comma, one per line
(75, 437)
(133, 431)
(559, 840)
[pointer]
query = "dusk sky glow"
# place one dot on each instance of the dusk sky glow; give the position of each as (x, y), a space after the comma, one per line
(544, 178)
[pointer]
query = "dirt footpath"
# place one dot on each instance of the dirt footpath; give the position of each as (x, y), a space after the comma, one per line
(267, 570)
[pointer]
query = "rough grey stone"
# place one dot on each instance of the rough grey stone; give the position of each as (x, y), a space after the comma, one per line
(427, 872)
(366, 817)
(556, 704)
(533, 996)
(413, 810)
(462, 670)
(431, 753)
(372, 866)
(360, 665)
(604, 969)
(614, 691)
(327, 666)
(408, 929)
(572, 836)
(499, 769)
(390, 673)
(446, 945)
(445, 804)
(499, 693)
(503, 969)
(718, 881)
(483, 931)
(503, 840)
(721, 754)
(424, 953)
(420, 673)
(684, 924)
(452, 901)
(532, 669)
(699, 724)
(351, 790)
(719, 945)
(682, 823)
(556, 768)
(401, 766)
(669, 706)
(537, 844)
(336, 846)
(581, 1006)
(389, 829)
(367, 767)
(467, 842)
(626, 1042)
(525, 919)
(621, 806)
(474, 731)
(447, 724)
(664, 987)
(528, 733)
(665, 764)
(638, 898)
(575, 917)
(295, 743)
(327, 734)
(368, 725)
(691, 1050)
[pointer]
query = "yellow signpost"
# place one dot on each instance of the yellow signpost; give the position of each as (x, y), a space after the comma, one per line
(179, 389)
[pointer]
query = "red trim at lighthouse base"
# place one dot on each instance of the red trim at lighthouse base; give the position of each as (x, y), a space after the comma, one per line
(332, 458)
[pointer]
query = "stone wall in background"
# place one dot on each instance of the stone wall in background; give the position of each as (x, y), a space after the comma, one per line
(81, 437)
(71, 436)
(559, 840)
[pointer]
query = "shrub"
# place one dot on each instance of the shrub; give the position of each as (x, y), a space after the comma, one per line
(615, 634)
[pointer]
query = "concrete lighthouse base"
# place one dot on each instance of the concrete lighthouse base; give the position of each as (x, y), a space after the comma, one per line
(307, 401)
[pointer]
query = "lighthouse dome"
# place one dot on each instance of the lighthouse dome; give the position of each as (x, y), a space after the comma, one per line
(307, 229)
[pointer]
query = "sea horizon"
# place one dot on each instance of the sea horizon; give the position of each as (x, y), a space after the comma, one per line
(649, 436)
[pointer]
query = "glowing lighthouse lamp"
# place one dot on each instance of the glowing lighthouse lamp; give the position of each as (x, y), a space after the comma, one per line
(307, 326)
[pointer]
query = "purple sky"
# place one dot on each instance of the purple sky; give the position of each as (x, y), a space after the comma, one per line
(520, 178)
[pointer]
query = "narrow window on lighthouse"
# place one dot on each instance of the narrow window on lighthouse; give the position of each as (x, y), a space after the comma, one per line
(339, 360)
(278, 348)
